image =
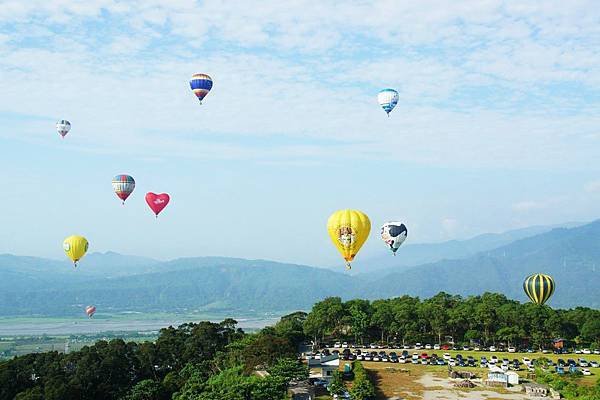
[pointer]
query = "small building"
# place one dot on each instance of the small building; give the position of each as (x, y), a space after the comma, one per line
(301, 391)
(324, 367)
(559, 344)
(498, 377)
(536, 390)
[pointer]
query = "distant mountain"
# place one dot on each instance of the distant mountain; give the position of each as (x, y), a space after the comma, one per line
(571, 256)
(114, 282)
(424, 253)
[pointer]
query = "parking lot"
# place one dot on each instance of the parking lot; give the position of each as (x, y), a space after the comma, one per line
(585, 361)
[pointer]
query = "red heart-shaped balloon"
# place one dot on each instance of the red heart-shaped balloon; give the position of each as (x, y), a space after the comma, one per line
(157, 201)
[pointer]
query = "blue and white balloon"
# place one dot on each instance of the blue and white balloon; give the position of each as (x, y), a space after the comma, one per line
(387, 98)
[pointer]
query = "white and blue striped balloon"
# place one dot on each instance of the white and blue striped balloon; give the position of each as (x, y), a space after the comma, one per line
(387, 98)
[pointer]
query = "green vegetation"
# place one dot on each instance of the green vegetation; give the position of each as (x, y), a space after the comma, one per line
(569, 385)
(362, 387)
(203, 361)
(488, 319)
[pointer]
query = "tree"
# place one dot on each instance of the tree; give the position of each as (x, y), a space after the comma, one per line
(336, 385)
(288, 369)
(591, 330)
(146, 390)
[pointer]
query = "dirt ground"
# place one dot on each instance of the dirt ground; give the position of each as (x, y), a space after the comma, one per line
(408, 382)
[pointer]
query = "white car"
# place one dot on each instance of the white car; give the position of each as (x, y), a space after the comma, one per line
(477, 348)
(337, 345)
(577, 351)
(428, 347)
(418, 346)
(526, 361)
(405, 347)
(492, 348)
(512, 350)
(597, 351)
(466, 348)
(345, 345)
(402, 360)
(586, 351)
(585, 371)
(594, 364)
(447, 356)
(436, 346)
(415, 356)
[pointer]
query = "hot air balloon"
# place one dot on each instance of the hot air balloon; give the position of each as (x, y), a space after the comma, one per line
(123, 186)
(394, 234)
(348, 230)
(63, 127)
(539, 288)
(75, 247)
(201, 85)
(157, 202)
(387, 98)
(90, 311)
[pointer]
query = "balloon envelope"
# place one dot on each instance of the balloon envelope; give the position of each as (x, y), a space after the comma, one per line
(539, 288)
(63, 127)
(394, 234)
(348, 230)
(157, 202)
(201, 84)
(387, 98)
(123, 186)
(75, 247)
(90, 311)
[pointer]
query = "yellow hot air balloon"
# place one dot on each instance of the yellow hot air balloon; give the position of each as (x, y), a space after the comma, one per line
(75, 247)
(348, 230)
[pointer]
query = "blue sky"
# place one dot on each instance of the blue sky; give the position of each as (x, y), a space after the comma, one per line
(497, 127)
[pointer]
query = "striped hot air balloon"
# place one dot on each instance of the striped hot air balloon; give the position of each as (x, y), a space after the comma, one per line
(387, 98)
(123, 186)
(201, 85)
(90, 311)
(539, 288)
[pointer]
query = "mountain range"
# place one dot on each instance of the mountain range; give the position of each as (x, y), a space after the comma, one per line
(114, 282)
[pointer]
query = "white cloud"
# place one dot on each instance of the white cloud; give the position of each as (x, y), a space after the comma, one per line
(593, 187)
(309, 71)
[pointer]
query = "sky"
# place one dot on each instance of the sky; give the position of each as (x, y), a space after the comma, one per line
(497, 126)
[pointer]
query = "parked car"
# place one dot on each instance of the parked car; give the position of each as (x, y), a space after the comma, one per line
(440, 362)
(447, 356)
(512, 350)
(586, 351)
(373, 346)
(367, 357)
(345, 345)
(415, 361)
(428, 347)
(594, 364)
(597, 351)
(337, 345)
(583, 362)
(406, 347)
(577, 351)
(466, 348)
(477, 348)
(586, 371)
(492, 348)
(436, 346)
(526, 361)
(418, 346)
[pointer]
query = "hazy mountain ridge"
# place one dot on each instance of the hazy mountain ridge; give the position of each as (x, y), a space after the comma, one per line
(30, 285)
(424, 253)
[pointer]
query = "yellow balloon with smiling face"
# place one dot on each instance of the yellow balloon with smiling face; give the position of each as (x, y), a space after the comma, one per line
(75, 247)
(348, 230)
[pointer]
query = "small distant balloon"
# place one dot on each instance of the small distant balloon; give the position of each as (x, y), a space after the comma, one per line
(394, 234)
(201, 84)
(90, 311)
(63, 127)
(123, 186)
(157, 202)
(387, 98)
(75, 248)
